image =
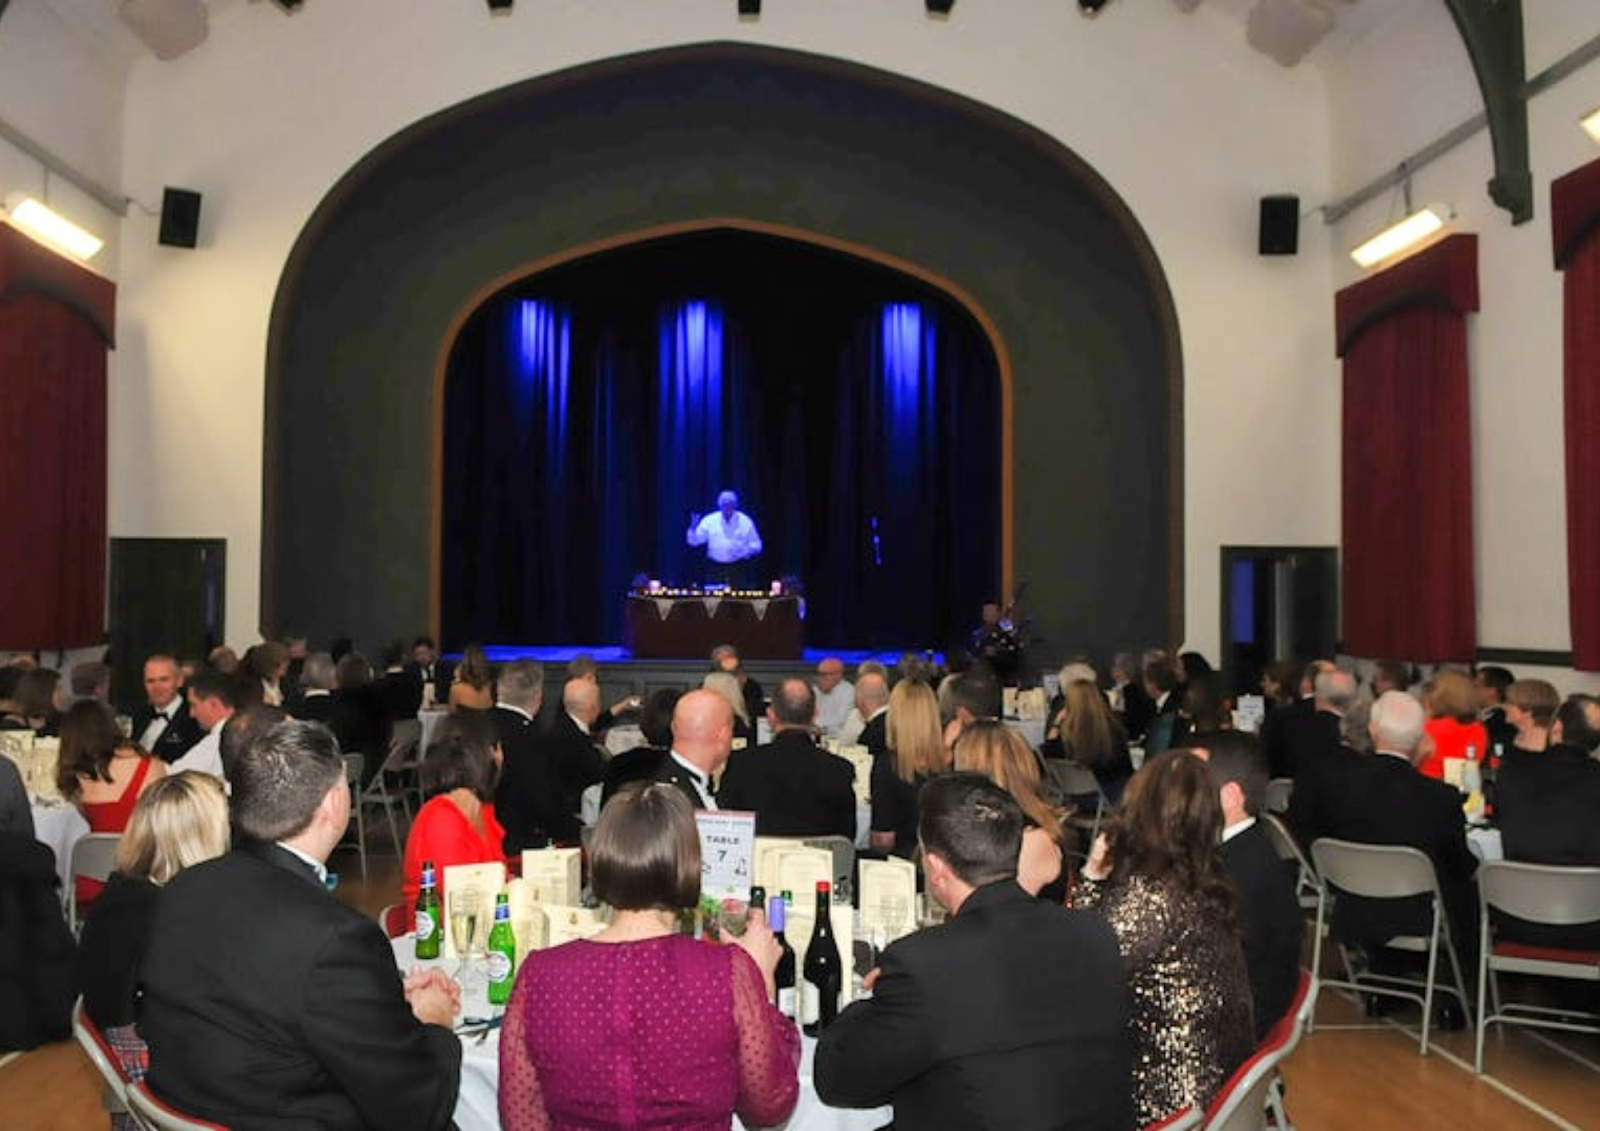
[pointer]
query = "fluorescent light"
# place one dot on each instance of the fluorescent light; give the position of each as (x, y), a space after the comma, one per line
(1591, 124)
(43, 222)
(1397, 238)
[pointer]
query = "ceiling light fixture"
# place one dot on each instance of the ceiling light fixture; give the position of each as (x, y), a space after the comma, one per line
(939, 9)
(1402, 236)
(1591, 123)
(49, 226)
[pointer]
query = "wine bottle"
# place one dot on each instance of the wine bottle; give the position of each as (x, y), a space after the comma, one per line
(428, 930)
(824, 973)
(783, 976)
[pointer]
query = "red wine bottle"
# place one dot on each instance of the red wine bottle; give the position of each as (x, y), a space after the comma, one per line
(824, 973)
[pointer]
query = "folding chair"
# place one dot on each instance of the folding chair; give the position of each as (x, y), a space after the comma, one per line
(1547, 895)
(1075, 780)
(352, 778)
(1244, 1101)
(1388, 871)
(94, 857)
(1279, 790)
(399, 758)
(396, 921)
(403, 762)
(160, 1115)
(88, 1035)
(1307, 888)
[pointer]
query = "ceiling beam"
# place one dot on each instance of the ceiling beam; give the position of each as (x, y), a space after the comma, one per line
(1492, 31)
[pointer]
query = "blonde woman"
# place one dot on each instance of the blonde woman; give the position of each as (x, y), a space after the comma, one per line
(178, 822)
(726, 684)
(916, 753)
(991, 748)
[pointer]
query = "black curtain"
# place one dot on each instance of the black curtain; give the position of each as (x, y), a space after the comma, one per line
(856, 413)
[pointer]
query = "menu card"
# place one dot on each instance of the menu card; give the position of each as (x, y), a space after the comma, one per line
(860, 759)
(888, 898)
(768, 853)
(488, 879)
(553, 875)
(569, 923)
(727, 852)
(36, 760)
(1249, 713)
(1034, 703)
(529, 923)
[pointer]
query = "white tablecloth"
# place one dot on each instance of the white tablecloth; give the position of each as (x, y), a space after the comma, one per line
(477, 1106)
(59, 827)
(430, 721)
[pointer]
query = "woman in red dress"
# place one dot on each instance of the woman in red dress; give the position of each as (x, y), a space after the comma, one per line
(103, 772)
(457, 824)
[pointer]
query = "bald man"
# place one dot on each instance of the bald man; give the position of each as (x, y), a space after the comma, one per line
(702, 739)
(571, 744)
(872, 700)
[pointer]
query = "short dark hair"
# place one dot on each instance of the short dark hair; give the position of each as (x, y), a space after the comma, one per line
(978, 691)
(424, 642)
(393, 653)
(1235, 756)
(1160, 674)
(243, 729)
(973, 824)
(352, 670)
(1496, 678)
(795, 704)
(1577, 724)
(645, 852)
(281, 777)
(89, 677)
(208, 683)
(655, 721)
(461, 756)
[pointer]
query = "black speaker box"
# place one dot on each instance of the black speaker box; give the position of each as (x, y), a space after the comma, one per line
(180, 218)
(1280, 225)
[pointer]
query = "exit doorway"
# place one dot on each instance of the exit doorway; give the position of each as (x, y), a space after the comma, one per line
(1278, 603)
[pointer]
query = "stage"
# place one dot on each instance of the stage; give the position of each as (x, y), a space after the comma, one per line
(616, 655)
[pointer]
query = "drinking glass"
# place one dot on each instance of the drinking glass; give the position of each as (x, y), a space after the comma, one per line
(892, 912)
(466, 926)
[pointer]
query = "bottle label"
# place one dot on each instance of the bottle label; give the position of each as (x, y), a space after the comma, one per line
(499, 965)
(425, 924)
(808, 1003)
(786, 1001)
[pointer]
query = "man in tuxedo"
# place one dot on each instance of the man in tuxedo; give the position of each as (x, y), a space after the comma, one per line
(267, 1002)
(1490, 683)
(315, 704)
(1290, 729)
(1384, 800)
(966, 1026)
(702, 738)
(399, 687)
(1162, 685)
(432, 670)
(571, 741)
(795, 787)
(1321, 757)
(1273, 921)
(1547, 803)
(163, 725)
(872, 702)
(528, 799)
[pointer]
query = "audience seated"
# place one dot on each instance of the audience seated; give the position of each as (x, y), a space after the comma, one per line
(11, 717)
(211, 705)
(794, 787)
(267, 1002)
(872, 705)
(36, 949)
(702, 739)
(16, 816)
(835, 695)
(640, 1025)
(966, 1027)
(472, 689)
(40, 700)
(433, 671)
(642, 762)
(239, 731)
(356, 716)
(102, 772)
(1157, 876)
(91, 680)
(1161, 684)
(1322, 755)
(1288, 730)
(162, 725)
(528, 799)
(268, 662)
(456, 824)
(916, 754)
(1530, 711)
(1548, 802)
(725, 658)
(1490, 684)
(1453, 729)
(1128, 698)
(726, 684)
(178, 822)
(1086, 731)
(1272, 919)
(317, 680)
(399, 687)
(579, 761)
(990, 748)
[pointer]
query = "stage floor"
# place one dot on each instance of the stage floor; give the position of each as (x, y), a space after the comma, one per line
(614, 654)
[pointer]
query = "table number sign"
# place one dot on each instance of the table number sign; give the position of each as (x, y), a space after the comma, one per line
(727, 852)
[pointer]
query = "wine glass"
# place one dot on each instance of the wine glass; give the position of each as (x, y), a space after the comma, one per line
(892, 911)
(466, 925)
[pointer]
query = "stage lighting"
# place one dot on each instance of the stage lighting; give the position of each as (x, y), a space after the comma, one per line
(939, 9)
(1091, 8)
(749, 9)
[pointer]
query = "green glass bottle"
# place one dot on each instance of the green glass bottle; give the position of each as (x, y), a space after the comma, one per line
(429, 928)
(502, 958)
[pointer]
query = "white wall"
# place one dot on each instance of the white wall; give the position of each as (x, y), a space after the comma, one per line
(1390, 97)
(1182, 119)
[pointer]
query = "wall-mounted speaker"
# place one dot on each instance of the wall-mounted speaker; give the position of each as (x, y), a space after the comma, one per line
(1280, 225)
(180, 218)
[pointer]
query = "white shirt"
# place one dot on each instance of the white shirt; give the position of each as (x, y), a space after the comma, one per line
(158, 725)
(205, 755)
(833, 707)
(725, 541)
(851, 728)
(1234, 830)
(504, 706)
(702, 784)
(317, 866)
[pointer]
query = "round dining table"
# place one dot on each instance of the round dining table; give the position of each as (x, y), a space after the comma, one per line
(59, 825)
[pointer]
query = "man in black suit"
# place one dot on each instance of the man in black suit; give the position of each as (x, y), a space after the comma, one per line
(1273, 921)
(1491, 683)
(315, 702)
(399, 687)
(571, 741)
(795, 787)
(1295, 727)
(528, 799)
(1548, 803)
(702, 738)
(267, 1002)
(432, 670)
(1128, 697)
(872, 700)
(966, 1026)
(1320, 756)
(1161, 684)
(163, 725)
(1386, 801)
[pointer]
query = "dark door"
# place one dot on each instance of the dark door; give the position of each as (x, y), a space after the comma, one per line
(1278, 603)
(166, 596)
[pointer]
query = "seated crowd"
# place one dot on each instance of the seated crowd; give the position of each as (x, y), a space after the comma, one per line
(251, 997)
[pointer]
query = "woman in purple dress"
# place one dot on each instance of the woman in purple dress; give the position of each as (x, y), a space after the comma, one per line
(641, 1027)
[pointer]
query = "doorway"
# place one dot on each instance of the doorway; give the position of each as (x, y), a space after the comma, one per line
(1278, 603)
(167, 595)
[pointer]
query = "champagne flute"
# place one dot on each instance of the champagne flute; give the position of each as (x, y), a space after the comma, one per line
(465, 923)
(892, 913)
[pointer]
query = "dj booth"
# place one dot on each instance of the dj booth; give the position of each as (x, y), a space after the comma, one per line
(687, 624)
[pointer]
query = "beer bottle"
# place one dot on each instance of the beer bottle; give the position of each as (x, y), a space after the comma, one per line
(429, 928)
(502, 958)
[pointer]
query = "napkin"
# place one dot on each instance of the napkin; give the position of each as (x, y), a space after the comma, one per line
(555, 875)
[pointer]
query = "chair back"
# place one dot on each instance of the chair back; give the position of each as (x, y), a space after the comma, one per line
(154, 1112)
(94, 1045)
(1279, 791)
(396, 920)
(1541, 893)
(1241, 1104)
(405, 742)
(1375, 871)
(353, 764)
(844, 858)
(1073, 778)
(94, 857)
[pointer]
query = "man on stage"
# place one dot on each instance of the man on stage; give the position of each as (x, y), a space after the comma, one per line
(731, 541)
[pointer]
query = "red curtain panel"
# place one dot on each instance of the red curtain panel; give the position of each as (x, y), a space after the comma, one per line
(55, 326)
(1575, 213)
(1407, 457)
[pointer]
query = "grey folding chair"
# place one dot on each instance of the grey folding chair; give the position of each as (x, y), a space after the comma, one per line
(1073, 779)
(352, 778)
(1279, 791)
(1388, 871)
(1252, 1091)
(403, 762)
(94, 857)
(400, 757)
(1549, 896)
(1288, 849)
(93, 1042)
(156, 1114)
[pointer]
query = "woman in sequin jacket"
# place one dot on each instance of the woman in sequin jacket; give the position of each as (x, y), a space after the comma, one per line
(1157, 876)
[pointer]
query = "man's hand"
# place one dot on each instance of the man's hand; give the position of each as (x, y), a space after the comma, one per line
(434, 997)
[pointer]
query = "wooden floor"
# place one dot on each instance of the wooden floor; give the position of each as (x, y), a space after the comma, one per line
(1368, 1078)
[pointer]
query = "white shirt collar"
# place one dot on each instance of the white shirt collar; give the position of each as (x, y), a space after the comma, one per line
(317, 866)
(512, 707)
(701, 779)
(1234, 830)
(579, 723)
